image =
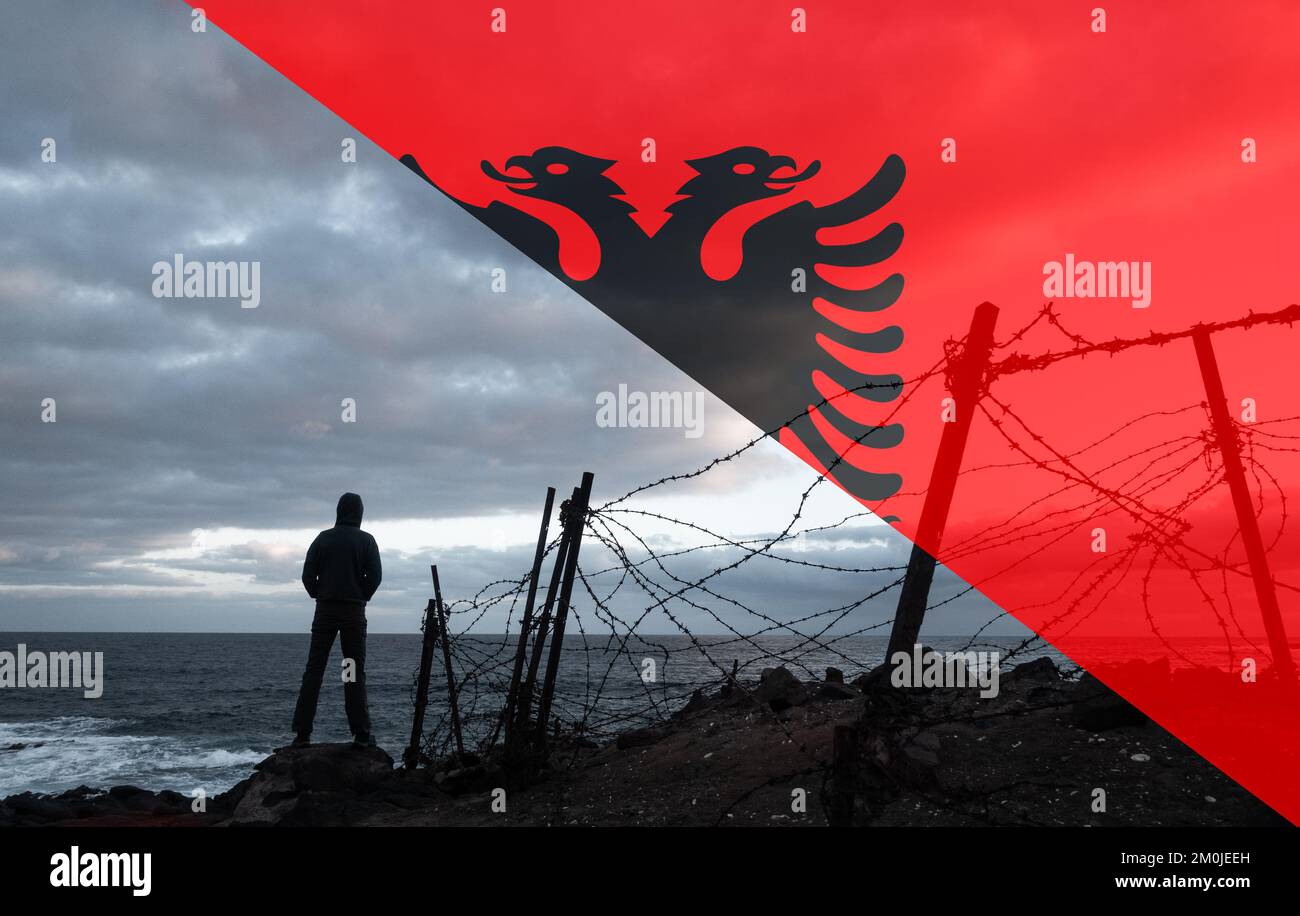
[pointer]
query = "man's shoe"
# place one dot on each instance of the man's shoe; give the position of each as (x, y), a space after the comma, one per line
(302, 739)
(364, 741)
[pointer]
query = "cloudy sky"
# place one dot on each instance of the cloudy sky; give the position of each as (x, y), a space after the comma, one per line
(199, 446)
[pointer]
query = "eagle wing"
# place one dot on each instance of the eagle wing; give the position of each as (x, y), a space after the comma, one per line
(837, 357)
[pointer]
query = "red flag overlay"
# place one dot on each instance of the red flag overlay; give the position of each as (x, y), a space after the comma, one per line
(1138, 169)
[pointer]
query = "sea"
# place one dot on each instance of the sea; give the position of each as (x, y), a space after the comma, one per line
(183, 711)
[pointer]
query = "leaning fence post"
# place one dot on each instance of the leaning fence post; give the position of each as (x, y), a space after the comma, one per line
(967, 378)
(525, 622)
(525, 704)
(1225, 438)
(577, 521)
(446, 662)
(412, 755)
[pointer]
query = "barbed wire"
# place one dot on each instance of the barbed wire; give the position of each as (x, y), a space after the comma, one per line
(628, 577)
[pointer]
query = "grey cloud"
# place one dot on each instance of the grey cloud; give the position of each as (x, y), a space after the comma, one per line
(175, 414)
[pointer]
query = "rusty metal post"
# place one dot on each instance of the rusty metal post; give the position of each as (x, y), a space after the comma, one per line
(1225, 438)
(967, 380)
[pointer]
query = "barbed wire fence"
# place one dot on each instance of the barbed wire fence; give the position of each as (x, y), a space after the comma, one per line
(512, 695)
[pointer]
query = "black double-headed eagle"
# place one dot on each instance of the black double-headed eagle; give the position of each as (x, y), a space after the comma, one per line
(800, 357)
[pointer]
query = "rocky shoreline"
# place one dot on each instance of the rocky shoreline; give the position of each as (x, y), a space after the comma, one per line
(754, 754)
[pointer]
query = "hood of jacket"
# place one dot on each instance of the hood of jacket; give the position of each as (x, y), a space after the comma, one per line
(349, 510)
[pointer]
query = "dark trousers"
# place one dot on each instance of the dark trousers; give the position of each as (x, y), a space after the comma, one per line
(349, 622)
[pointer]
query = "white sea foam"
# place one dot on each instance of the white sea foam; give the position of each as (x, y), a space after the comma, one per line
(50, 755)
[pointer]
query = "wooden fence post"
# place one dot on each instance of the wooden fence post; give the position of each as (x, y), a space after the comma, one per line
(525, 622)
(411, 758)
(446, 663)
(1225, 438)
(577, 522)
(967, 378)
(525, 705)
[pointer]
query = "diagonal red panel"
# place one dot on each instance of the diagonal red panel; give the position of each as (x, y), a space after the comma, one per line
(1093, 502)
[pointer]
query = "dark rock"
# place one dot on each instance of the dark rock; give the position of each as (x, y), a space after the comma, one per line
(729, 688)
(30, 806)
(145, 801)
(1040, 669)
(888, 709)
(122, 793)
(335, 767)
(916, 765)
(175, 799)
(834, 676)
(835, 690)
(778, 689)
(467, 779)
(406, 801)
(102, 805)
(698, 700)
(640, 737)
(928, 740)
(295, 785)
(881, 676)
(314, 809)
(1045, 696)
(467, 759)
(1097, 708)
(865, 682)
(230, 798)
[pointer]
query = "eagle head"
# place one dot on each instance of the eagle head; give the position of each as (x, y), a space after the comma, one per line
(745, 173)
(556, 173)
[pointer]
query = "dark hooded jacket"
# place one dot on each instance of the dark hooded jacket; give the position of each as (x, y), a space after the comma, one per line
(343, 562)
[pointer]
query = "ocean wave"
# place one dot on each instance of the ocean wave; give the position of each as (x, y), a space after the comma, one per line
(213, 759)
(51, 755)
(56, 727)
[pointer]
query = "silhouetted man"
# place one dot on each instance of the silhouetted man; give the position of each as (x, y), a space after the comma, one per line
(341, 572)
